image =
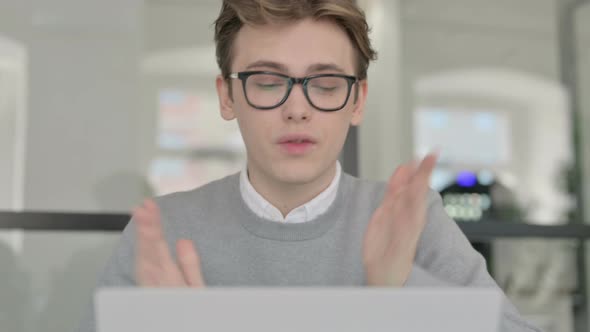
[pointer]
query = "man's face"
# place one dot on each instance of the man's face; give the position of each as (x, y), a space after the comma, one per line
(273, 138)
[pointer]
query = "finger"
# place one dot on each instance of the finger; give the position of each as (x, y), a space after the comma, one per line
(403, 174)
(190, 264)
(406, 227)
(150, 237)
(424, 170)
(417, 191)
(395, 188)
(427, 165)
(399, 179)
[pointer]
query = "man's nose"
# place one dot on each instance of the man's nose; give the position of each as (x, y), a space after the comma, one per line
(297, 108)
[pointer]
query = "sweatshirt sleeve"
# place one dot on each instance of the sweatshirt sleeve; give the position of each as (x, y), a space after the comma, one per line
(446, 258)
(118, 272)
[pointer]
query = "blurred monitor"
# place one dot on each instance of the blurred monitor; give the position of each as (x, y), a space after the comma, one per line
(472, 137)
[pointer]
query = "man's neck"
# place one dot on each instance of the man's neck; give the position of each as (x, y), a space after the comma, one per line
(288, 196)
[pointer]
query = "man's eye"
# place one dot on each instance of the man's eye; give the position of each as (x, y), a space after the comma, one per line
(325, 88)
(269, 86)
(328, 88)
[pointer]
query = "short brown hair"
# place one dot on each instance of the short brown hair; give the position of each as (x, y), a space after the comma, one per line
(235, 13)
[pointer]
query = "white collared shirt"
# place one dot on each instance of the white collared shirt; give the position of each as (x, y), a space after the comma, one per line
(306, 212)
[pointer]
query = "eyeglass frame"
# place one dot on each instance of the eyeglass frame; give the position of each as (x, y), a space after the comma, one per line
(244, 75)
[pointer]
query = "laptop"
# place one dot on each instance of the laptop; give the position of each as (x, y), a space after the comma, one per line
(298, 309)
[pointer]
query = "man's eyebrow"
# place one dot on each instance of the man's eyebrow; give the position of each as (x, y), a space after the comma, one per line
(324, 67)
(269, 64)
(282, 68)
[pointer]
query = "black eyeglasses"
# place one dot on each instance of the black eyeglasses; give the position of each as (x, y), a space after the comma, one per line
(267, 90)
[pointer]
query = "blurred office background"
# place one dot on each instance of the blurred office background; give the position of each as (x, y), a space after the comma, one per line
(103, 103)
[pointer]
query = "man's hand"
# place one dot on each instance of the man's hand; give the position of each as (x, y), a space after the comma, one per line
(394, 229)
(154, 265)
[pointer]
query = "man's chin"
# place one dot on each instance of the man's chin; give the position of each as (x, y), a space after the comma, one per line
(299, 174)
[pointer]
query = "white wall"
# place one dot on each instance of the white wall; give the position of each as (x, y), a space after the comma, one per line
(92, 111)
(13, 62)
(583, 32)
(83, 105)
(385, 134)
(12, 55)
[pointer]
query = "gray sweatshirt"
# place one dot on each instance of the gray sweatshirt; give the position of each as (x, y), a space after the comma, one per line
(238, 248)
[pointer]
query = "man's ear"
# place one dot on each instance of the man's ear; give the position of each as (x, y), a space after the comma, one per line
(358, 111)
(226, 103)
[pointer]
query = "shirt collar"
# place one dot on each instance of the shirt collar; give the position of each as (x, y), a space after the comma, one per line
(306, 212)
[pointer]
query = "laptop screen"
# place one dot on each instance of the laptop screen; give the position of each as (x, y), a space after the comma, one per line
(298, 309)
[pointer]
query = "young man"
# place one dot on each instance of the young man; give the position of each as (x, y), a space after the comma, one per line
(294, 76)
